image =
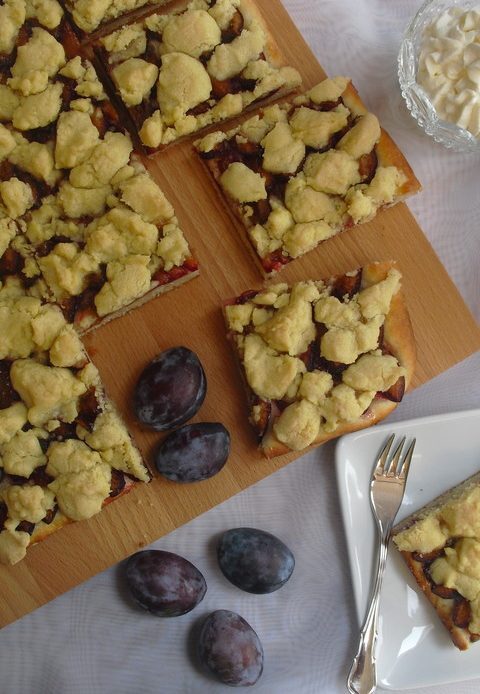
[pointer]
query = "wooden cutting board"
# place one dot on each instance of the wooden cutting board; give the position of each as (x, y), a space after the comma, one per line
(445, 333)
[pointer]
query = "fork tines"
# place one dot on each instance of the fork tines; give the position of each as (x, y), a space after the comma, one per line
(394, 467)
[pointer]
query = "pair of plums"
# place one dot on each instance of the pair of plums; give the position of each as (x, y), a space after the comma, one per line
(169, 392)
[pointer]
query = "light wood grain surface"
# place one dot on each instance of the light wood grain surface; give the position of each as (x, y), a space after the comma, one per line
(444, 329)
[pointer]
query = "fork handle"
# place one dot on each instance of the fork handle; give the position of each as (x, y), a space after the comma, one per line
(362, 678)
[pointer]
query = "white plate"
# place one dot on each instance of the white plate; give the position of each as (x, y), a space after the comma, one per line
(414, 648)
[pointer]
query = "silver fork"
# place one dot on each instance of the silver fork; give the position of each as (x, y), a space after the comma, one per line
(387, 487)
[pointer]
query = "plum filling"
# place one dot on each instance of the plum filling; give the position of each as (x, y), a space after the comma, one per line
(88, 409)
(263, 415)
(461, 612)
(246, 296)
(325, 105)
(275, 261)
(276, 184)
(67, 37)
(161, 277)
(6, 62)
(40, 476)
(76, 308)
(3, 514)
(50, 515)
(8, 395)
(367, 166)
(347, 285)
(396, 392)
(117, 483)
(221, 88)
(106, 117)
(250, 151)
(11, 263)
(25, 527)
(427, 557)
(261, 211)
(234, 85)
(445, 593)
(334, 368)
(66, 430)
(28, 527)
(143, 111)
(63, 34)
(234, 28)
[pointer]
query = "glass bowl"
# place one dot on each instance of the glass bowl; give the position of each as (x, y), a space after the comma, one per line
(448, 134)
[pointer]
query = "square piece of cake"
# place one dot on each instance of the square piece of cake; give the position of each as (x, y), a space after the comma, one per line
(322, 358)
(64, 450)
(298, 173)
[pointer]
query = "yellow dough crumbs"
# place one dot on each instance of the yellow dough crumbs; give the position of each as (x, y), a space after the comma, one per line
(182, 80)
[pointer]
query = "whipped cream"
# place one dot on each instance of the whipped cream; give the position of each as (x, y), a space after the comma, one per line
(449, 67)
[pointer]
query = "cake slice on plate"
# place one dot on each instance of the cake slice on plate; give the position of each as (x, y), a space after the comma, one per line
(440, 544)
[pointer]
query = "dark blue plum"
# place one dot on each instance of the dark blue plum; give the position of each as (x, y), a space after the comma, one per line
(194, 452)
(230, 649)
(254, 560)
(163, 583)
(170, 389)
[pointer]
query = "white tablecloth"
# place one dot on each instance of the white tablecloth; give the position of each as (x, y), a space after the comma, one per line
(90, 642)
